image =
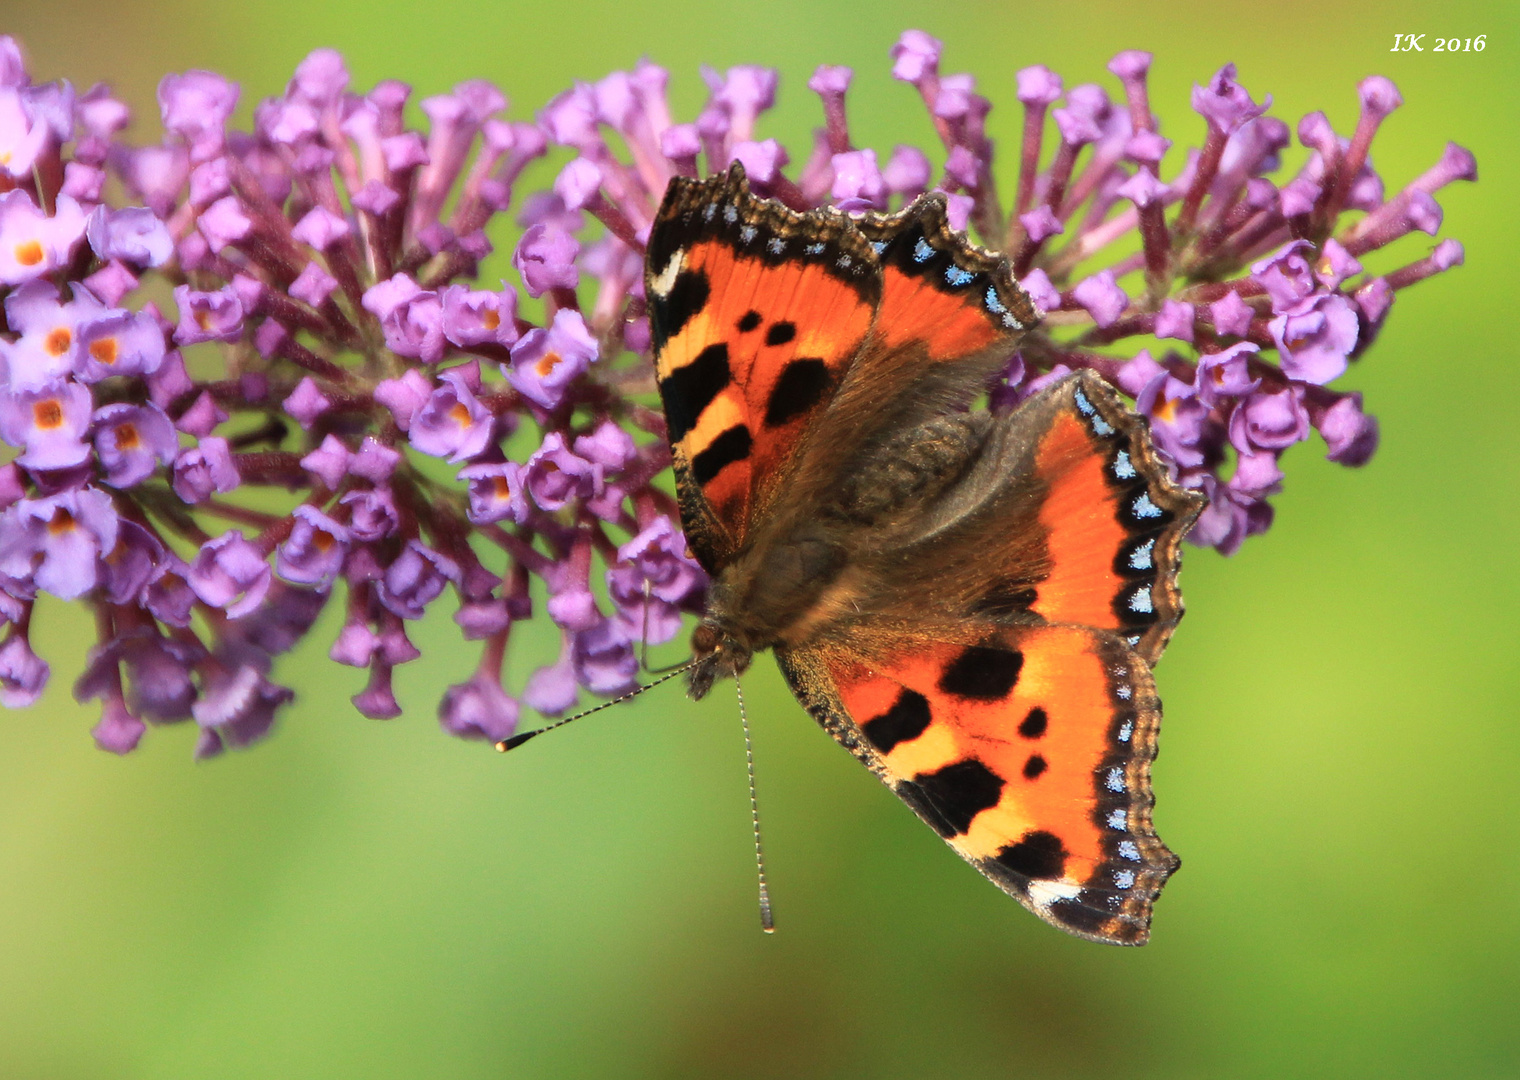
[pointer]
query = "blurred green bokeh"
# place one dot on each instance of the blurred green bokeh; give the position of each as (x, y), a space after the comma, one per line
(1339, 767)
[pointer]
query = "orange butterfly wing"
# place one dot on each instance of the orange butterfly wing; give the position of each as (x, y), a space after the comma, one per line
(754, 319)
(1028, 751)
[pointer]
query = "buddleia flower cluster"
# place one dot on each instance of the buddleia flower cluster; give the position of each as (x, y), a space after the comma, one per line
(246, 373)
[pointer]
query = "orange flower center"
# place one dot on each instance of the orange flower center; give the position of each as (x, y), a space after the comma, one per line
(127, 437)
(104, 350)
(29, 252)
(58, 341)
(459, 414)
(62, 522)
(546, 365)
(48, 414)
(490, 319)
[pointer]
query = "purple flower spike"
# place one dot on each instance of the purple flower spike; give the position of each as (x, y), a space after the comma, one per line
(326, 262)
(547, 362)
(230, 573)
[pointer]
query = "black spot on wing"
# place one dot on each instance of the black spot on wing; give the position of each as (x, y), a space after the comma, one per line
(1034, 725)
(983, 673)
(689, 389)
(780, 333)
(801, 386)
(750, 320)
(1035, 766)
(731, 446)
(906, 720)
(688, 295)
(959, 792)
(1038, 854)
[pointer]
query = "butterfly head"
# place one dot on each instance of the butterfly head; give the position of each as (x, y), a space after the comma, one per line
(716, 655)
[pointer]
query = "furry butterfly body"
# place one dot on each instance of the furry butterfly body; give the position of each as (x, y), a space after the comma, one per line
(969, 602)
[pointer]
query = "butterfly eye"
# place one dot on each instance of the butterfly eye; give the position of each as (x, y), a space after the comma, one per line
(705, 639)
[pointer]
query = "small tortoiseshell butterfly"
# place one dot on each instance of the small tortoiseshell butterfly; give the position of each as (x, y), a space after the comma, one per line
(970, 603)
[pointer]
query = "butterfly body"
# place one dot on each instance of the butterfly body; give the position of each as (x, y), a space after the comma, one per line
(967, 601)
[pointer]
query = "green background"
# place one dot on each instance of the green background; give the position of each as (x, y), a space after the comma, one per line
(1339, 768)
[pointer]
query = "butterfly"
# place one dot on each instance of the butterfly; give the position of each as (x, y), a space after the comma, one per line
(969, 602)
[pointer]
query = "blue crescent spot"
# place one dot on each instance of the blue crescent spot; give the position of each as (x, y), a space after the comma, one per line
(1114, 781)
(1010, 322)
(1140, 558)
(1102, 426)
(879, 245)
(747, 233)
(1140, 602)
(1124, 878)
(1144, 508)
(1122, 467)
(709, 211)
(1129, 850)
(1118, 819)
(1125, 693)
(957, 276)
(776, 245)
(1084, 406)
(814, 249)
(994, 305)
(1126, 729)
(730, 214)
(922, 252)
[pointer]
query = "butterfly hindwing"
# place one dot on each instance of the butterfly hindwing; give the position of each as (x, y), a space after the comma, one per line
(1028, 750)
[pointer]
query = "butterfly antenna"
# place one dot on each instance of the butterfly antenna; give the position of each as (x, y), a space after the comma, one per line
(517, 740)
(644, 643)
(767, 920)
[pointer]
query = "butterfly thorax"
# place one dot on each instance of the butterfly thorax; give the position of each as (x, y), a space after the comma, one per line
(770, 595)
